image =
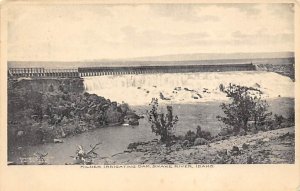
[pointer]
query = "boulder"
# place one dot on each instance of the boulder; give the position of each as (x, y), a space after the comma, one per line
(57, 141)
(20, 133)
(266, 140)
(245, 146)
(132, 146)
(223, 152)
(199, 95)
(250, 160)
(161, 95)
(195, 97)
(235, 150)
(46, 117)
(242, 132)
(200, 141)
(185, 143)
(34, 117)
(134, 122)
(112, 116)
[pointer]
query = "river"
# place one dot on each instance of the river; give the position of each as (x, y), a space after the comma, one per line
(191, 112)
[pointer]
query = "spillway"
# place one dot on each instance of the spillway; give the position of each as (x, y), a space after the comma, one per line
(185, 87)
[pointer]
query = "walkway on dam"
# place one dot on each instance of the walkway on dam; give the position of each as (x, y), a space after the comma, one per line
(100, 71)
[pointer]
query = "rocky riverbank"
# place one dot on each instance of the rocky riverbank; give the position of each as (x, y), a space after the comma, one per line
(47, 110)
(270, 147)
(287, 69)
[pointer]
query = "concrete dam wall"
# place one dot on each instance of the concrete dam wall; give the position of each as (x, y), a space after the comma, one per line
(123, 70)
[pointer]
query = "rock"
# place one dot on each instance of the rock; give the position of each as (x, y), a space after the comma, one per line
(185, 143)
(161, 95)
(154, 140)
(132, 146)
(223, 152)
(235, 150)
(11, 163)
(245, 146)
(133, 122)
(216, 139)
(34, 117)
(249, 160)
(57, 141)
(20, 133)
(200, 141)
(132, 115)
(46, 117)
(266, 140)
(112, 115)
(242, 132)
(256, 85)
(114, 104)
(194, 97)
(63, 134)
(199, 95)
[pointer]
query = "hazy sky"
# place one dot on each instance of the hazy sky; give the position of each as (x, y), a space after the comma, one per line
(88, 32)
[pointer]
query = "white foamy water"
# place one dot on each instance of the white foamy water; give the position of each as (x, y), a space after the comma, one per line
(191, 87)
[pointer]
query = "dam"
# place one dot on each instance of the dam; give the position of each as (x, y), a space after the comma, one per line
(101, 71)
(123, 70)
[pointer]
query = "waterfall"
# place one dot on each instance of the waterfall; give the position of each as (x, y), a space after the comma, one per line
(185, 87)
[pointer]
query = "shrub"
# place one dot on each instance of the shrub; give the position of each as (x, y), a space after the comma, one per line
(278, 119)
(221, 87)
(203, 134)
(246, 105)
(190, 136)
(161, 124)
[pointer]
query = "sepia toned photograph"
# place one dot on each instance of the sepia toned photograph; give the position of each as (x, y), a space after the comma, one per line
(150, 84)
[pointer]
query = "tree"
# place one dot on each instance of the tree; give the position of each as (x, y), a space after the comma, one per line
(85, 157)
(161, 124)
(246, 105)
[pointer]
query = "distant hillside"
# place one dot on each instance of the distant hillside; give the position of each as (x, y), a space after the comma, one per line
(182, 59)
(214, 56)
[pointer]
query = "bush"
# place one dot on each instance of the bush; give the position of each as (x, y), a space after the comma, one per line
(161, 124)
(190, 136)
(246, 105)
(221, 87)
(203, 134)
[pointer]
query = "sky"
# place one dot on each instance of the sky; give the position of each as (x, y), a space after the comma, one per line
(94, 32)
